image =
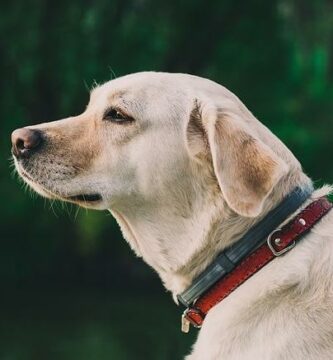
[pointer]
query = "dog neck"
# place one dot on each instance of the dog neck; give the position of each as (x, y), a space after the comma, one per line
(180, 244)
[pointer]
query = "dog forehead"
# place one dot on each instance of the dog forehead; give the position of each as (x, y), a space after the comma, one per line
(171, 86)
(141, 84)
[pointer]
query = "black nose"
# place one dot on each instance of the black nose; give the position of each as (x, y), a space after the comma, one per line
(24, 141)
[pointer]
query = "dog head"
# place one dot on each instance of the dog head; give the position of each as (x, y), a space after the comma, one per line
(154, 136)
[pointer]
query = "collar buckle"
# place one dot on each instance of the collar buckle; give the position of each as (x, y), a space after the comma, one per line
(273, 239)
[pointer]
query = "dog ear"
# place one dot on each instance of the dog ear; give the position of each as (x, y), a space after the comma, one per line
(246, 169)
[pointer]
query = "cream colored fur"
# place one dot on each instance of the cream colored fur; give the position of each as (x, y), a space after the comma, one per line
(188, 177)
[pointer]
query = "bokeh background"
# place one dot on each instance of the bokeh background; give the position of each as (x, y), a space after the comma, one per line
(70, 286)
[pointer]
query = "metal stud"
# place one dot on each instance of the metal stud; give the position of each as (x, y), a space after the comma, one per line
(277, 241)
(302, 221)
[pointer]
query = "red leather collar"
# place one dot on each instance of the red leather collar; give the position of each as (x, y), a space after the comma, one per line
(278, 242)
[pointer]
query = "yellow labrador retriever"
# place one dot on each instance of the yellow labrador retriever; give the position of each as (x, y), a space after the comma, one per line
(187, 170)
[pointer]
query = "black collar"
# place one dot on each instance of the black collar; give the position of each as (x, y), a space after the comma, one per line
(256, 236)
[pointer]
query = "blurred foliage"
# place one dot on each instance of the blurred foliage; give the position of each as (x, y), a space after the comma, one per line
(277, 56)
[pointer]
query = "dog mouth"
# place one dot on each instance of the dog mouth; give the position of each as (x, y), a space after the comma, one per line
(79, 198)
(85, 198)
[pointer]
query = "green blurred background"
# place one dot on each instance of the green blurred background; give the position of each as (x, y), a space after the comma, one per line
(70, 286)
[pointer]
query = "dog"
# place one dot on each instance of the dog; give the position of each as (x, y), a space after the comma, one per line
(187, 170)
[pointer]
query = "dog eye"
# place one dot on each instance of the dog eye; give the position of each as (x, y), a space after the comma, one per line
(116, 116)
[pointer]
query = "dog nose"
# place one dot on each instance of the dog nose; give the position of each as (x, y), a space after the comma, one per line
(24, 140)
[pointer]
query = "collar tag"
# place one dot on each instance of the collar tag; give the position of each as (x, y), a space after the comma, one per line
(185, 324)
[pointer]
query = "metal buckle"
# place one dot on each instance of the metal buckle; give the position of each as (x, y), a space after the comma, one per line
(274, 251)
